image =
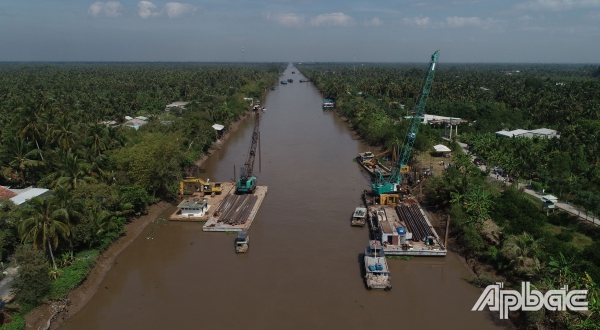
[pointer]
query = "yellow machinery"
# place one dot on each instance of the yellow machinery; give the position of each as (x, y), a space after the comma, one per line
(373, 161)
(212, 188)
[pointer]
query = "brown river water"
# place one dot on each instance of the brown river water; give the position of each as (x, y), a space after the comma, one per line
(303, 268)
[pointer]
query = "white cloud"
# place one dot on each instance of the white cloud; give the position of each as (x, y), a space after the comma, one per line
(558, 5)
(373, 22)
(333, 19)
(109, 9)
(147, 9)
(176, 9)
(288, 20)
(418, 21)
(456, 21)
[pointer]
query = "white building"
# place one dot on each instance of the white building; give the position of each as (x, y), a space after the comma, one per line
(540, 132)
(193, 207)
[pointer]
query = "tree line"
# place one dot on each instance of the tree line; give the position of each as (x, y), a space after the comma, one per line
(54, 134)
(502, 231)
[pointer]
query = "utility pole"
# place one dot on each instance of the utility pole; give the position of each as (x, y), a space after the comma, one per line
(243, 59)
(354, 63)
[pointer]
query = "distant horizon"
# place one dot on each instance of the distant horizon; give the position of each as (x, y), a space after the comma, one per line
(297, 62)
(377, 31)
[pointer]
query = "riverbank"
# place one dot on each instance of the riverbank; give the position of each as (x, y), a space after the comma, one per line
(78, 297)
(46, 315)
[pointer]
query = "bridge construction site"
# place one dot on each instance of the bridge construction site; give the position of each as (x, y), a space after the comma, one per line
(223, 206)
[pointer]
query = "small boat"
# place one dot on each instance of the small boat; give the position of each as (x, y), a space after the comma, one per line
(242, 242)
(328, 104)
(283, 82)
(359, 217)
(264, 109)
(290, 80)
(377, 272)
(273, 88)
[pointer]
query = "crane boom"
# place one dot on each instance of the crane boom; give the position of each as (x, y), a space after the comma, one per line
(382, 186)
(247, 181)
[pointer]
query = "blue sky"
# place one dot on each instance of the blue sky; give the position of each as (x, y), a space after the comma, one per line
(544, 31)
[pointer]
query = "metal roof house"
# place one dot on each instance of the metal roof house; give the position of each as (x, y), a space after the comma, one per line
(135, 123)
(540, 132)
(20, 196)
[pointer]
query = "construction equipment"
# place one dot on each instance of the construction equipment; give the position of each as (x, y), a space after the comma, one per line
(373, 161)
(392, 184)
(204, 187)
(247, 181)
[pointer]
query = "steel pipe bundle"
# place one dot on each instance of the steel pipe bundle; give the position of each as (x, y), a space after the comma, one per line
(415, 222)
(235, 209)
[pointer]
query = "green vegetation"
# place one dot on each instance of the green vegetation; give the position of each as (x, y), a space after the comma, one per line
(501, 228)
(56, 132)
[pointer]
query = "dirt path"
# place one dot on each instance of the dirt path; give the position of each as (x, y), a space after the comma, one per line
(79, 296)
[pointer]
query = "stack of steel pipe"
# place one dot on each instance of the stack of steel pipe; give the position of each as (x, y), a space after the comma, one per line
(238, 209)
(415, 222)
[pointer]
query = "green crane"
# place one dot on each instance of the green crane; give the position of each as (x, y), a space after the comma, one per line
(392, 184)
(247, 181)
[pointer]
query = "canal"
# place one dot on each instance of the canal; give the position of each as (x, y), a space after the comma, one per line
(303, 269)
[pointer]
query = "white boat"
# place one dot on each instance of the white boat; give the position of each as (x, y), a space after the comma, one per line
(377, 272)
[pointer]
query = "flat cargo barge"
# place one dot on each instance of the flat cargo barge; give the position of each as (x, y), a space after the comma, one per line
(236, 212)
(404, 229)
(371, 165)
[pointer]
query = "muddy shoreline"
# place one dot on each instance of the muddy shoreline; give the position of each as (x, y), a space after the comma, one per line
(77, 298)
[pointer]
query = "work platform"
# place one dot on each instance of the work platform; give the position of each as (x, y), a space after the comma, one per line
(236, 212)
(385, 221)
(213, 203)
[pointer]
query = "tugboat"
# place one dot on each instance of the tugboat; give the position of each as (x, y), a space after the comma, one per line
(242, 242)
(359, 217)
(377, 272)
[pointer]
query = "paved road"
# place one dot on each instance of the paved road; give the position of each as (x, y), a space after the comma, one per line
(5, 290)
(564, 206)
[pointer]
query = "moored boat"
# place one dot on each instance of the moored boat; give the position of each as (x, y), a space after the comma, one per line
(377, 274)
(328, 104)
(242, 242)
(359, 217)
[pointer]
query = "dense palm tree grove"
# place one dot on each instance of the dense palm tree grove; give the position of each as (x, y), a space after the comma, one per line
(501, 231)
(54, 134)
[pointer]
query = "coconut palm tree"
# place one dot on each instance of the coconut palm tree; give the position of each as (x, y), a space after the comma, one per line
(44, 223)
(69, 169)
(522, 251)
(19, 155)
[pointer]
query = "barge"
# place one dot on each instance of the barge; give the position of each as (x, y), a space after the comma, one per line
(372, 165)
(236, 212)
(402, 226)
(196, 208)
(377, 274)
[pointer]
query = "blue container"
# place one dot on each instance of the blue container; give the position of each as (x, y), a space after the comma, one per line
(378, 266)
(401, 231)
(372, 268)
